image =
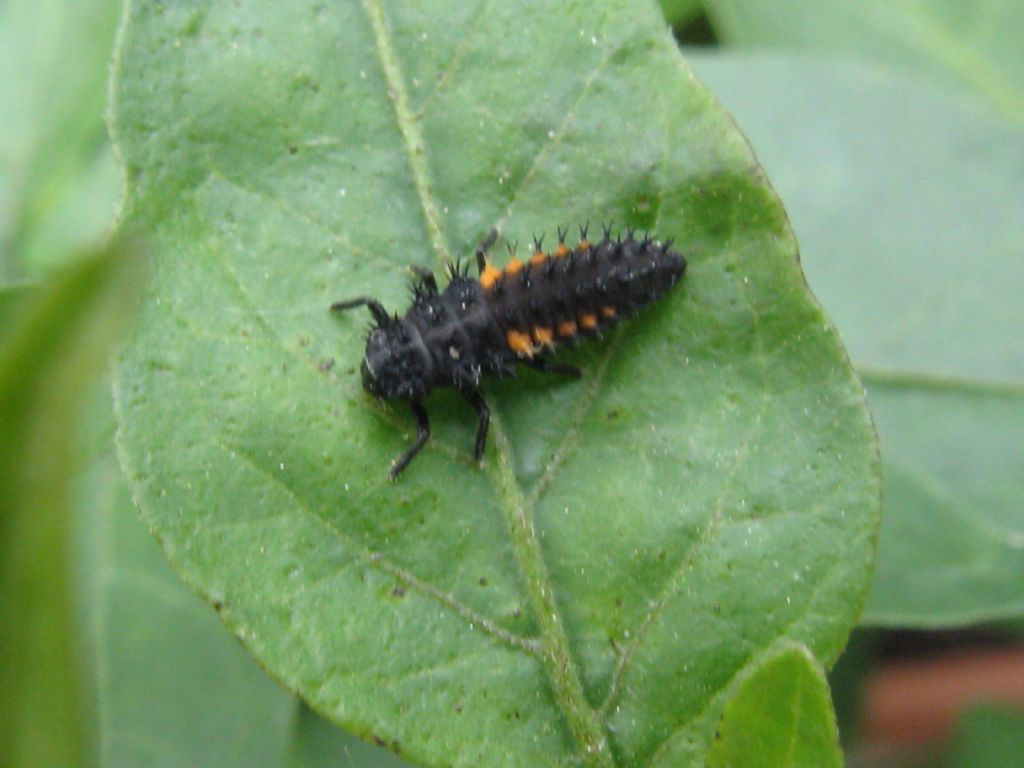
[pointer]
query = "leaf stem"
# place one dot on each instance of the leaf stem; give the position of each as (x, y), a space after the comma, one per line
(582, 718)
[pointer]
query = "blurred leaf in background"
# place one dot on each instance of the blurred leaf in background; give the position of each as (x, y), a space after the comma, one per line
(317, 743)
(58, 179)
(988, 737)
(975, 45)
(171, 686)
(52, 341)
(907, 201)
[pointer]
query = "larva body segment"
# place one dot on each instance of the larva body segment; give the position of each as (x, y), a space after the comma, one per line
(555, 297)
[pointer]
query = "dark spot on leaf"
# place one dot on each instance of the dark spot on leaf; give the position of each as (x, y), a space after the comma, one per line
(613, 414)
(379, 741)
(618, 602)
(398, 591)
(305, 81)
(292, 149)
(326, 364)
(483, 581)
(303, 341)
(641, 206)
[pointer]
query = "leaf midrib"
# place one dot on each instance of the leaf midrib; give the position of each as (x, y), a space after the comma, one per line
(408, 126)
(580, 716)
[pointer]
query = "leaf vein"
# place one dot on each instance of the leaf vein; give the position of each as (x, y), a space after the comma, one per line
(371, 405)
(408, 126)
(942, 384)
(957, 506)
(584, 404)
(447, 72)
(554, 138)
(374, 559)
(559, 663)
(281, 205)
(674, 583)
(724, 691)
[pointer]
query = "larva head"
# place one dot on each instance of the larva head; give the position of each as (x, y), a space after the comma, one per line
(395, 365)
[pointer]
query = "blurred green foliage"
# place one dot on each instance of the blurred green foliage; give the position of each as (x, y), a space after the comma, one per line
(145, 630)
(52, 341)
(987, 737)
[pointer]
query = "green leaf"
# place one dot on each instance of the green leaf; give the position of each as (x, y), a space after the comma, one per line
(318, 744)
(910, 212)
(780, 717)
(678, 12)
(51, 342)
(172, 687)
(153, 640)
(634, 539)
(58, 179)
(987, 737)
(977, 45)
(11, 298)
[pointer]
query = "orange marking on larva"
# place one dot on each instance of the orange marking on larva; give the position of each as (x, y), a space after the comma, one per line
(561, 251)
(608, 312)
(513, 266)
(543, 336)
(588, 321)
(538, 258)
(489, 277)
(567, 328)
(519, 342)
(584, 245)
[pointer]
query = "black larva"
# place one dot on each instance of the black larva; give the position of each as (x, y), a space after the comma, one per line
(514, 315)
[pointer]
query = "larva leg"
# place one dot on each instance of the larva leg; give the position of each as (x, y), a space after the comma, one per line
(421, 439)
(481, 250)
(376, 308)
(476, 399)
